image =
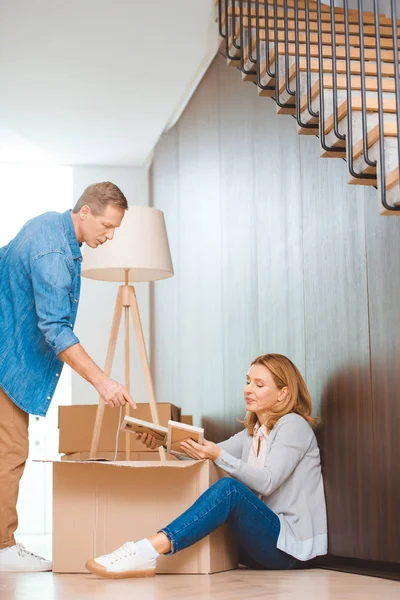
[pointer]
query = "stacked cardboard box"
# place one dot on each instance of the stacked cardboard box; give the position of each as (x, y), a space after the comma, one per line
(98, 505)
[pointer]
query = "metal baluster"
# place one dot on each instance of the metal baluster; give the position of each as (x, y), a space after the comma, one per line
(286, 30)
(221, 32)
(396, 73)
(235, 44)
(308, 63)
(233, 23)
(382, 160)
(350, 160)
(249, 39)
(339, 135)
(322, 134)
(371, 163)
(250, 46)
(258, 45)
(277, 99)
(297, 59)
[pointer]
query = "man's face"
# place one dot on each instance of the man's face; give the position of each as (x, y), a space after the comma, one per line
(96, 230)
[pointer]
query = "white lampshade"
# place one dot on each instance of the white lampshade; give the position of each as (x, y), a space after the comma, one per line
(140, 245)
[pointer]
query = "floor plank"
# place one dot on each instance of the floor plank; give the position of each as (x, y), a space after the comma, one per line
(239, 584)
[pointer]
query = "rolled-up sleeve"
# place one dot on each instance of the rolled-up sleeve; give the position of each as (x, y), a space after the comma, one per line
(52, 281)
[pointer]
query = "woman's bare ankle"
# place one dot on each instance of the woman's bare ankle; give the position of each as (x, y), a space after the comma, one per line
(160, 543)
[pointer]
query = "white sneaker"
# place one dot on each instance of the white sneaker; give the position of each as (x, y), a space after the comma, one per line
(18, 558)
(124, 562)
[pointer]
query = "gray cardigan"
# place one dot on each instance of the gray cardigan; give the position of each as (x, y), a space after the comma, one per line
(290, 483)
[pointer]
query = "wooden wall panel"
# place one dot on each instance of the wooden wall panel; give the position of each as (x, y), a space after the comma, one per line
(240, 327)
(278, 233)
(383, 250)
(337, 346)
(200, 351)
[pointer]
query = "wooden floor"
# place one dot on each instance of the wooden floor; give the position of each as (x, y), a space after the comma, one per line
(241, 584)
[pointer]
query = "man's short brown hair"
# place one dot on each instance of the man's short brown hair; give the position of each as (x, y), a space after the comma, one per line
(99, 195)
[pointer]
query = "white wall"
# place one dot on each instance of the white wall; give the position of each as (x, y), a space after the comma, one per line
(97, 300)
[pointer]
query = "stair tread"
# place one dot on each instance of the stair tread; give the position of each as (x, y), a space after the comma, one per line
(386, 55)
(341, 67)
(388, 87)
(388, 106)
(389, 130)
(369, 41)
(385, 31)
(313, 15)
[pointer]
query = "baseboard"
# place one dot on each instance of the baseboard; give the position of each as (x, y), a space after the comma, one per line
(371, 568)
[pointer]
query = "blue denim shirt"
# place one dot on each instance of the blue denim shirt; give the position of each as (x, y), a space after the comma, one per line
(39, 295)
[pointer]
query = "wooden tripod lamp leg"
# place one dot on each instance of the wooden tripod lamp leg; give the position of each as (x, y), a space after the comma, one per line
(127, 381)
(144, 360)
(107, 370)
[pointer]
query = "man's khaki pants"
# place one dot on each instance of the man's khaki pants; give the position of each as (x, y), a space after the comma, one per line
(14, 449)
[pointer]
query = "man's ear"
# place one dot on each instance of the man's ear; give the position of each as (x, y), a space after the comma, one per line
(84, 212)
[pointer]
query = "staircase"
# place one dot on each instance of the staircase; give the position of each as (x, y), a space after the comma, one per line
(336, 70)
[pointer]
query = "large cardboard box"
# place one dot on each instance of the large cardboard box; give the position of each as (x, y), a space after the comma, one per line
(76, 425)
(121, 456)
(100, 505)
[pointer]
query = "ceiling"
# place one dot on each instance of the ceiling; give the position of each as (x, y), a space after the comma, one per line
(97, 81)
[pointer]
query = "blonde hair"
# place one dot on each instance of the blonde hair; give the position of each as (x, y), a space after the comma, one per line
(297, 400)
(98, 195)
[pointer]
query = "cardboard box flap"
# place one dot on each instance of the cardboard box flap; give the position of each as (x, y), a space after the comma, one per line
(184, 464)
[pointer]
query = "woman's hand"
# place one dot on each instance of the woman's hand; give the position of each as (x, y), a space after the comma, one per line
(148, 440)
(201, 451)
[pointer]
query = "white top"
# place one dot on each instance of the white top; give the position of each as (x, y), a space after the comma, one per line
(290, 483)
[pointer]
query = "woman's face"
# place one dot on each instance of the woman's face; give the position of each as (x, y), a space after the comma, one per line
(261, 392)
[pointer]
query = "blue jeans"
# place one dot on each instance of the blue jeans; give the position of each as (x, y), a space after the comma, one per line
(255, 526)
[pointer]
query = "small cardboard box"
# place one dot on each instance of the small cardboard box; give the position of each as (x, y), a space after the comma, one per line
(187, 419)
(100, 505)
(76, 425)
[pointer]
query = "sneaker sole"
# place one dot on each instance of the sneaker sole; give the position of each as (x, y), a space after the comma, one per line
(94, 567)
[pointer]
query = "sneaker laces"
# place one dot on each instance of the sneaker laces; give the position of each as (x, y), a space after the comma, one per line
(122, 552)
(22, 551)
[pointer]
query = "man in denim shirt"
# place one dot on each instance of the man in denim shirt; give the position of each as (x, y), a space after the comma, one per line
(39, 295)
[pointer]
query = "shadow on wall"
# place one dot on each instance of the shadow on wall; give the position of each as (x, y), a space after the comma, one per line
(345, 438)
(218, 429)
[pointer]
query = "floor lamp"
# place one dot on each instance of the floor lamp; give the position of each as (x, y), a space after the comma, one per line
(138, 252)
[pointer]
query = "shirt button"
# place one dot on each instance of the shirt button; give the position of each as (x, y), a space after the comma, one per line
(48, 397)
(57, 374)
(75, 300)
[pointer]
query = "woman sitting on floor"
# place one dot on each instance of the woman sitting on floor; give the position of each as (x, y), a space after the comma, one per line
(274, 500)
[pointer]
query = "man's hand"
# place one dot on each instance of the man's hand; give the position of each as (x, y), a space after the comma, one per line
(201, 451)
(114, 394)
